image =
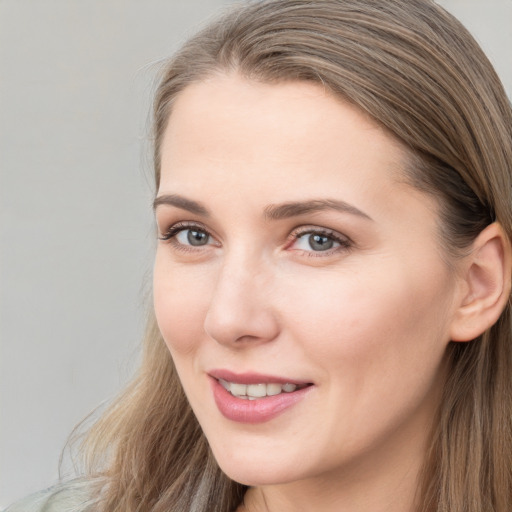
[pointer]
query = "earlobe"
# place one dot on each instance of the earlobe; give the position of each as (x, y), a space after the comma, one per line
(487, 277)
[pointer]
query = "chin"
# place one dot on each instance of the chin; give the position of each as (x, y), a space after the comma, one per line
(260, 476)
(257, 471)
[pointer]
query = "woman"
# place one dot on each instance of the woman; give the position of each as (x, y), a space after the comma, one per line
(331, 325)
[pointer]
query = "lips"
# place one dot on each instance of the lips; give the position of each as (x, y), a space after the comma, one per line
(255, 398)
(260, 390)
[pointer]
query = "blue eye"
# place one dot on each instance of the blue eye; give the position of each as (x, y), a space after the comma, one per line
(195, 237)
(186, 236)
(315, 242)
(319, 241)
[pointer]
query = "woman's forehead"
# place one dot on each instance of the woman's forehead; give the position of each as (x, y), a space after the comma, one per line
(230, 122)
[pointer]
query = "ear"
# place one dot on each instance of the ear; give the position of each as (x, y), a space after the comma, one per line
(486, 274)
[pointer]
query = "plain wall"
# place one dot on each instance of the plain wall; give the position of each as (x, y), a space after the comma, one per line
(76, 229)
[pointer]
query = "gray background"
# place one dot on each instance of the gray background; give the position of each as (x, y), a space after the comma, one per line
(75, 194)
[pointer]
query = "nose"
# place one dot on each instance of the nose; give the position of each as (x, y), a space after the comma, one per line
(241, 309)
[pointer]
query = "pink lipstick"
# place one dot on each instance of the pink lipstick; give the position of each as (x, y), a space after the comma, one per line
(255, 398)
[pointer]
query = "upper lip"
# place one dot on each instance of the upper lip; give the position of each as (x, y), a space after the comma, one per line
(253, 378)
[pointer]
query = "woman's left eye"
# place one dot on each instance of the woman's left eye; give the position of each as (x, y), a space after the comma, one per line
(319, 241)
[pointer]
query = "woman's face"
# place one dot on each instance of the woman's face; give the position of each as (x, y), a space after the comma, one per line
(294, 262)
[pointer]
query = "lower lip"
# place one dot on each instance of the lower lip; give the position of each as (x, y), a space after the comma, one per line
(254, 411)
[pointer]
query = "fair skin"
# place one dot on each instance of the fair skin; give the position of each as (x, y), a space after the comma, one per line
(353, 298)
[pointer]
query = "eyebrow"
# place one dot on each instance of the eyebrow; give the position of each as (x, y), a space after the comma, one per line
(293, 209)
(272, 211)
(181, 202)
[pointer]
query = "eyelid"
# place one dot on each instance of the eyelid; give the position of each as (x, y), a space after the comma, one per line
(169, 233)
(304, 230)
(345, 242)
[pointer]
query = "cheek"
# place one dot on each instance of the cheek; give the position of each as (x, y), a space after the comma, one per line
(376, 322)
(378, 343)
(181, 301)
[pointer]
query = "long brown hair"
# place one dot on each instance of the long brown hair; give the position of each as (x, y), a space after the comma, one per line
(417, 72)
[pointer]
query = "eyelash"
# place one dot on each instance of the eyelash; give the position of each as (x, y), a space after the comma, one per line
(171, 233)
(344, 242)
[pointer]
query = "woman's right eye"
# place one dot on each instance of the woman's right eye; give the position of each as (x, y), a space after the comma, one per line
(191, 236)
(188, 236)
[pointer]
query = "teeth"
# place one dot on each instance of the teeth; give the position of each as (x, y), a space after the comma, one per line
(255, 391)
(238, 389)
(273, 389)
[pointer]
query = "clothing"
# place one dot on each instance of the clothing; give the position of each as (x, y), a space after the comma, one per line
(72, 496)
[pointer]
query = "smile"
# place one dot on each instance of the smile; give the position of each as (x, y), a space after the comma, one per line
(255, 398)
(255, 391)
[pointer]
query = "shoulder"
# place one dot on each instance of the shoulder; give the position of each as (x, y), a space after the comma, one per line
(74, 496)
